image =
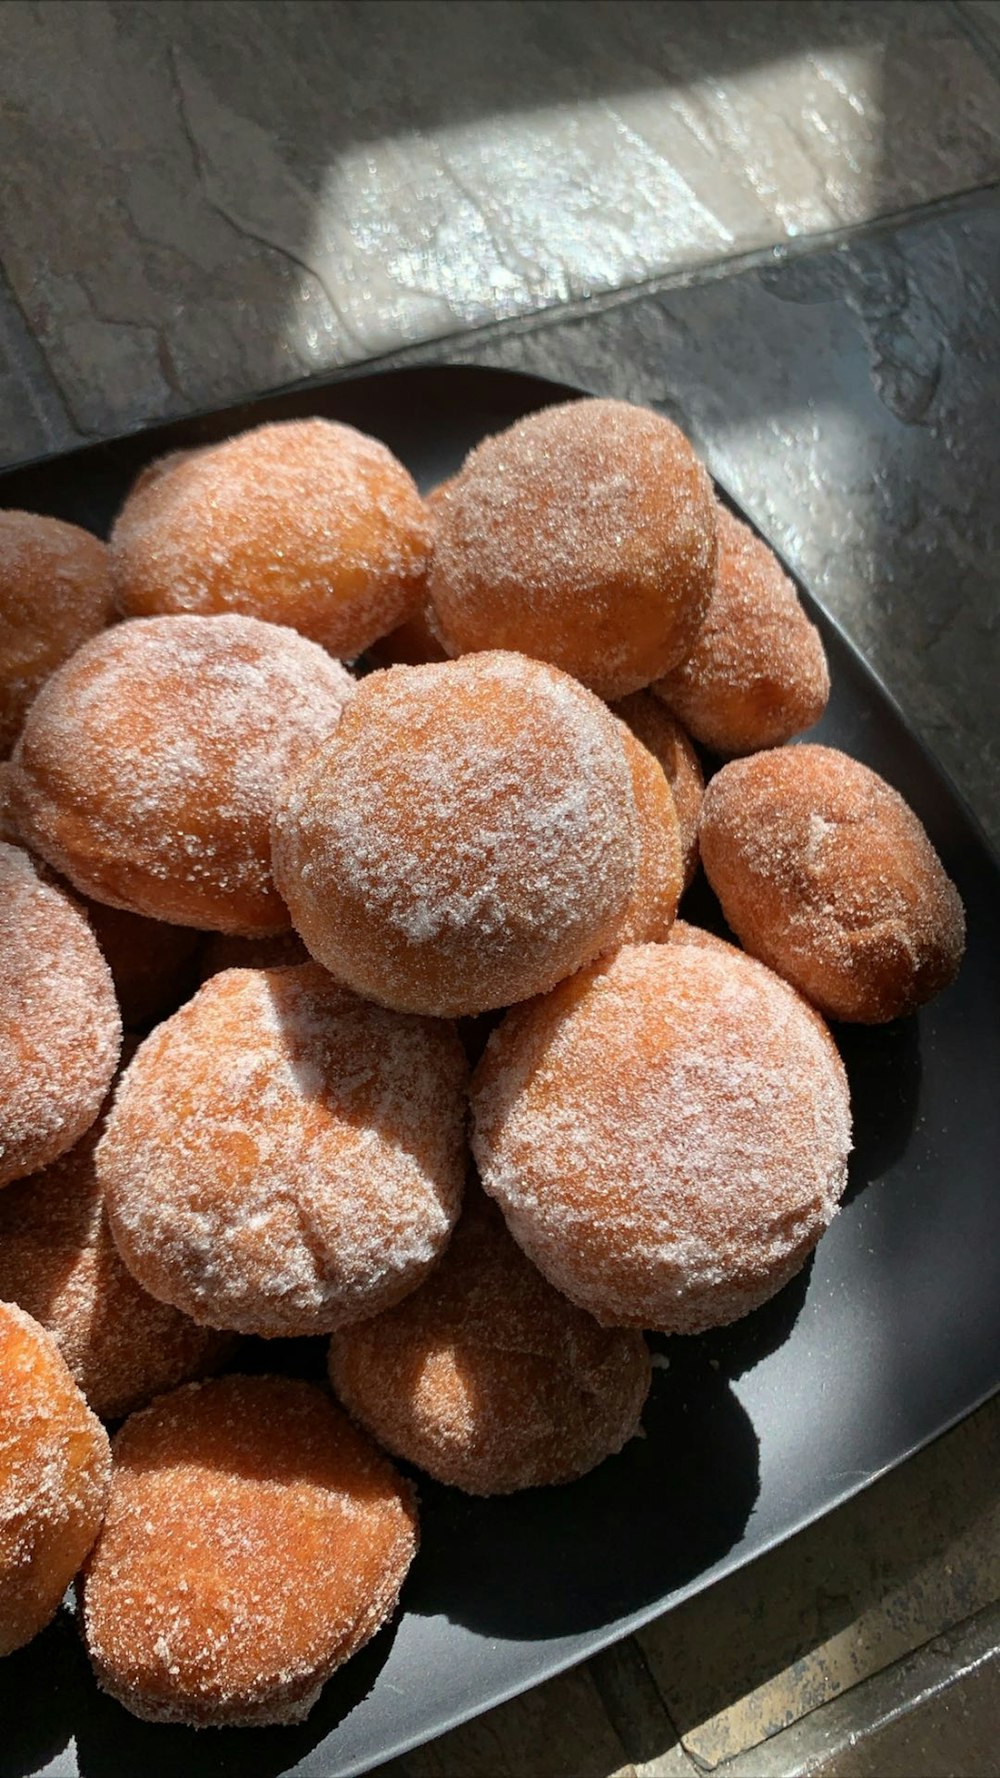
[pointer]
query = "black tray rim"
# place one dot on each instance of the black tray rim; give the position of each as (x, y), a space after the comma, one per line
(162, 434)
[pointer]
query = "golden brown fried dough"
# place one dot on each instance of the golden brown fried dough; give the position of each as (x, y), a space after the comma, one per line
(151, 763)
(466, 838)
(666, 1134)
(827, 875)
(254, 1541)
(60, 1031)
(282, 1157)
(584, 535)
(55, 592)
(486, 1377)
(304, 522)
(55, 1467)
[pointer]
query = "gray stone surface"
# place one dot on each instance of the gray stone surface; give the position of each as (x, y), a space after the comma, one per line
(848, 399)
(203, 199)
(33, 415)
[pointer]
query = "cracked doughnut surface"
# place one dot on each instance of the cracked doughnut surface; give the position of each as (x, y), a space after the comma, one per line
(283, 1158)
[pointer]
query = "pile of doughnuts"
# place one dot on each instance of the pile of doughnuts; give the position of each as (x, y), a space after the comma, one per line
(354, 1005)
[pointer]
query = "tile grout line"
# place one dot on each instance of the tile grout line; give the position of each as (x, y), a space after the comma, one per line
(780, 253)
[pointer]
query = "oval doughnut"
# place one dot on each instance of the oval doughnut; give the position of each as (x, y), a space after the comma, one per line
(653, 725)
(254, 1541)
(150, 764)
(466, 838)
(486, 1377)
(55, 591)
(55, 1467)
(584, 535)
(59, 1263)
(756, 673)
(60, 1030)
(281, 1157)
(825, 873)
(666, 1134)
(301, 522)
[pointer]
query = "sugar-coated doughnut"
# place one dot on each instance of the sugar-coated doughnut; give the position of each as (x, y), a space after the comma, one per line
(220, 950)
(59, 1263)
(486, 1377)
(666, 1133)
(284, 1158)
(827, 875)
(60, 1030)
(302, 522)
(55, 592)
(653, 725)
(55, 1467)
(254, 1540)
(756, 673)
(150, 764)
(584, 535)
(152, 964)
(465, 839)
(659, 880)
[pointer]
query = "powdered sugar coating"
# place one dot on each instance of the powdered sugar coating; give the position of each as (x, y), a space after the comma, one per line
(55, 591)
(60, 1031)
(653, 725)
(254, 1540)
(651, 911)
(283, 1158)
(486, 1377)
(59, 1263)
(466, 838)
(55, 1467)
(756, 673)
(302, 522)
(667, 1135)
(584, 535)
(825, 873)
(150, 764)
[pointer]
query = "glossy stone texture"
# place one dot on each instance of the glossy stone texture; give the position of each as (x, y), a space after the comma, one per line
(180, 227)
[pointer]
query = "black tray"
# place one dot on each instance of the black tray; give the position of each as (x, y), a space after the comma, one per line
(891, 1335)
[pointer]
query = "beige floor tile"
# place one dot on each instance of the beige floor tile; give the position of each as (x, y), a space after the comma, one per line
(917, 1553)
